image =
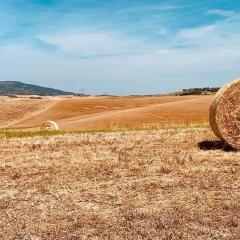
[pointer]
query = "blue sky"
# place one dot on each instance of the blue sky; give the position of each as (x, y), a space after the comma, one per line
(120, 46)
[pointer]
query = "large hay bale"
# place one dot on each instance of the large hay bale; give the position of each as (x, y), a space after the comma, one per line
(50, 126)
(225, 113)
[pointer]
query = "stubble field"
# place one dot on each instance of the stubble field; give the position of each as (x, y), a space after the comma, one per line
(165, 184)
(174, 183)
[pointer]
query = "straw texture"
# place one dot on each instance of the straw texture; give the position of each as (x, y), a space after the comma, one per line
(224, 113)
(50, 126)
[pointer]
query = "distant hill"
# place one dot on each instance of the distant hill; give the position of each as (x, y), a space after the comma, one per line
(200, 91)
(19, 88)
(194, 91)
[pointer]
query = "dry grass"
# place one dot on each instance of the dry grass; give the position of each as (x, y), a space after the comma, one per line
(122, 185)
(9, 133)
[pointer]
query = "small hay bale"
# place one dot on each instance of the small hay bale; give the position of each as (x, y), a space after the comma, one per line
(50, 126)
(224, 114)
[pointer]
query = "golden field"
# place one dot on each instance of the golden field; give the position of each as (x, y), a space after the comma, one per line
(168, 181)
(164, 184)
(103, 112)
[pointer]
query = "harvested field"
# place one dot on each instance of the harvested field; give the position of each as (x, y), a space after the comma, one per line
(14, 110)
(132, 185)
(101, 113)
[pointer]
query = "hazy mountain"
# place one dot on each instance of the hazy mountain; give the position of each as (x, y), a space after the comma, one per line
(19, 88)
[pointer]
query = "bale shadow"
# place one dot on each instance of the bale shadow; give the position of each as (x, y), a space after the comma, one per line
(216, 145)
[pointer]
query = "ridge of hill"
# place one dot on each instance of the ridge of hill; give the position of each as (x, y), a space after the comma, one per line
(19, 88)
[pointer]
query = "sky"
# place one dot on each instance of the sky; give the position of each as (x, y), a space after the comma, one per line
(120, 46)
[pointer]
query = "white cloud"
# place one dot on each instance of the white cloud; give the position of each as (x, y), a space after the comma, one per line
(202, 56)
(167, 70)
(91, 44)
(156, 7)
(220, 12)
(224, 33)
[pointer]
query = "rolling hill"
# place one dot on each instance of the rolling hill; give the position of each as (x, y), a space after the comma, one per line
(73, 113)
(19, 88)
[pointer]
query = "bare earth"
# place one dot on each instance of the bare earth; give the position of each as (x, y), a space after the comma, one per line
(132, 185)
(101, 113)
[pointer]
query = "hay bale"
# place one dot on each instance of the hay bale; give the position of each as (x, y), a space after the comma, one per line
(50, 126)
(224, 113)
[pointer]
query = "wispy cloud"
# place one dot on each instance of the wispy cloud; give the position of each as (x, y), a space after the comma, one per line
(224, 33)
(220, 12)
(157, 7)
(94, 44)
(123, 47)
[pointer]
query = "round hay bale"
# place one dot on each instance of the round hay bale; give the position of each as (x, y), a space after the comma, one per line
(224, 113)
(50, 126)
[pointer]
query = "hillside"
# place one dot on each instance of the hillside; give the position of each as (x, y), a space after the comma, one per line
(74, 113)
(19, 88)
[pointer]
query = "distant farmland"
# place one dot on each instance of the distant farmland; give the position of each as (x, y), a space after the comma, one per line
(90, 113)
